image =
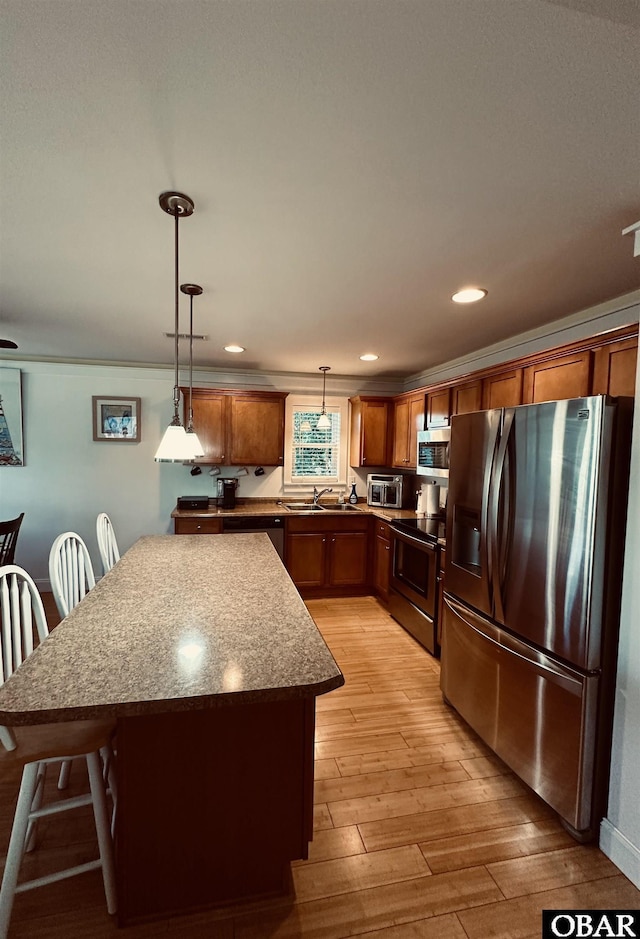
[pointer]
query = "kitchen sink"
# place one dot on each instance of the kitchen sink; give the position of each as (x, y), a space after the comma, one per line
(302, 507)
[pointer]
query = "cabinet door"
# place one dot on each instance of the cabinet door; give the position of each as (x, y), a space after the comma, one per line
(568, 376)
(401, 433)
(369, 432)
(256, 430)
(614, 368)
(209, 422)
(306, 557)
(467, 398)
(503, 390)
(416, 423)
(348, 559)
(382, 561)
(440, 595)
(438, 408)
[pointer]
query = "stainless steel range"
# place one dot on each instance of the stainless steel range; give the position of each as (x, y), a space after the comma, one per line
(413, 597)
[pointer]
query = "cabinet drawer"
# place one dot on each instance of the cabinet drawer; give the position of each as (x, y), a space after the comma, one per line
(198, 526)
(382, 530)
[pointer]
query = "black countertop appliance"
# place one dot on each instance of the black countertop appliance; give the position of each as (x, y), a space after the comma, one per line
(227, 492)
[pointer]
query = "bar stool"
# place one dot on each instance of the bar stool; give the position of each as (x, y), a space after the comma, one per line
(33, 748)
(107, 544)
(70, 571)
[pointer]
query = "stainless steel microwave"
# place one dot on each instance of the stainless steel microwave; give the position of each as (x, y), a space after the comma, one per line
(393, 492)
(433, 452)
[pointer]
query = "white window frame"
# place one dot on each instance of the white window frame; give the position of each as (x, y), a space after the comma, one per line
(310, 403)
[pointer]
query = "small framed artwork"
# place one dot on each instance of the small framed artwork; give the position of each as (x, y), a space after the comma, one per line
(11, 453)
(116, 419)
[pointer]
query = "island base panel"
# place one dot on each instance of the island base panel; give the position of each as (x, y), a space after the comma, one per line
(212, 805)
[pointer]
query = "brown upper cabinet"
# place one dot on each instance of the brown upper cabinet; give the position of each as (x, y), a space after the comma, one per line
(614, 368)
(599, 365)
(408, 419)
(466, 397)
(438, 408)
(370, 431)
(239, 427)
(567, 376)
(503, 390)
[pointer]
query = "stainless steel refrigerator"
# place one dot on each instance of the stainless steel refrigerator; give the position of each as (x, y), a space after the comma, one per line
(535, 533)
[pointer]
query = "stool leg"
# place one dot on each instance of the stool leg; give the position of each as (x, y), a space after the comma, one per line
(63, 778)
(17, 845)
(103, 830)
(32, 829)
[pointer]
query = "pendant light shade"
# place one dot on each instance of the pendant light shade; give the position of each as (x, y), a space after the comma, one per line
(175, 447)
(192, 290)
(324, 422)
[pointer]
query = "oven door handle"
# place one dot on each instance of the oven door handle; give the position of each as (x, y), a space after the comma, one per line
(405, 536)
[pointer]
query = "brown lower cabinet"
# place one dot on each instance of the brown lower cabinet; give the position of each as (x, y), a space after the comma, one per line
(381, 559)
(328, 556)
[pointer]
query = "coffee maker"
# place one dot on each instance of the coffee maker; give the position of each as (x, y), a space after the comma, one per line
(226, 492)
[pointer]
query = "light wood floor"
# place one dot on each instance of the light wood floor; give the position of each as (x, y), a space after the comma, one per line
(420, 832)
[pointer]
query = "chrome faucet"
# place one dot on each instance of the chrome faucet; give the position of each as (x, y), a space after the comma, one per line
(316, 494)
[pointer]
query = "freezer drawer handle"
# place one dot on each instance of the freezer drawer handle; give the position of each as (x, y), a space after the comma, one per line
(572, 685)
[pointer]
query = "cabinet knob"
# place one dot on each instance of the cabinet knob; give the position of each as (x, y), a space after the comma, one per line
(198, 527)
(387, 548)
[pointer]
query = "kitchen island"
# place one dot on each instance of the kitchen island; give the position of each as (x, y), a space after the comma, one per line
(203, 651)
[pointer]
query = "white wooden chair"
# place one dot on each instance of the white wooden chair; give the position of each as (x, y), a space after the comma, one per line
(70, 571)
(33, 748)
(71, 576)
(107, 544)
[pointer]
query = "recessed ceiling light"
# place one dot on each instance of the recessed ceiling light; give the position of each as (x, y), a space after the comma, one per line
(234, 348)
(369, 357)
(469, 295)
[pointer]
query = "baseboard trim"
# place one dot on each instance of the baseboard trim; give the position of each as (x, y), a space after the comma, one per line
(624, 854)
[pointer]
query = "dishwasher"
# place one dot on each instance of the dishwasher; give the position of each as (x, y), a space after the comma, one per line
(269, 524)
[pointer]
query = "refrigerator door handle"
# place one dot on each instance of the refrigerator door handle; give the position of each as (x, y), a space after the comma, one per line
(541, 663)
(486, 536)
(500, 496)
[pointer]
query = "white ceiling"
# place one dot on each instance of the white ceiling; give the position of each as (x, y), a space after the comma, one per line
(352, 163)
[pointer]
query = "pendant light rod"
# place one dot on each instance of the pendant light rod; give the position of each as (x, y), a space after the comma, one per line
(191, 290)
(324, 369)
(180, 206)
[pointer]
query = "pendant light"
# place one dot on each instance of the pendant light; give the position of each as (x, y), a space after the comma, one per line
(175, 447)
(324, 422)
(192, 290)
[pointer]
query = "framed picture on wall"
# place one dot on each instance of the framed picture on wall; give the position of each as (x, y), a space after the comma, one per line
(11, 450)
(116, 419)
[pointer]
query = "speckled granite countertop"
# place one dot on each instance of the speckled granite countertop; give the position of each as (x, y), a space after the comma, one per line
(180, 623)
(274, 507)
